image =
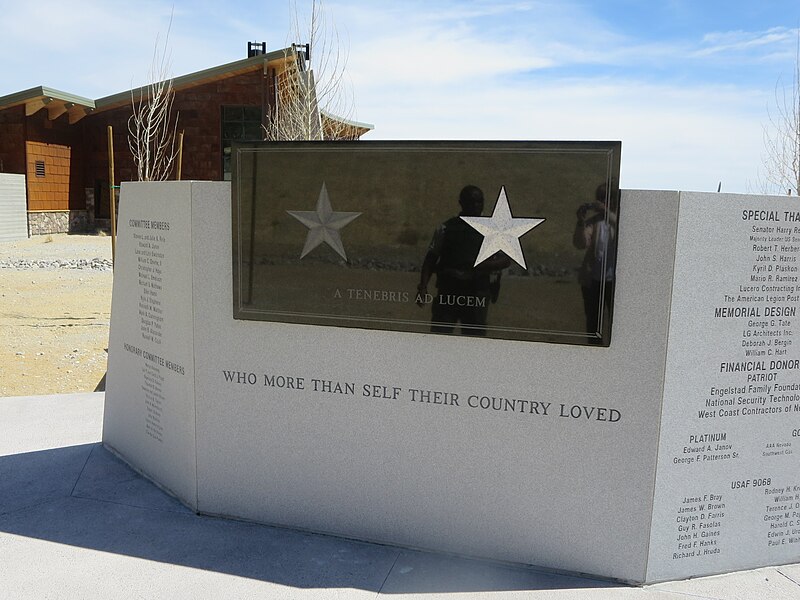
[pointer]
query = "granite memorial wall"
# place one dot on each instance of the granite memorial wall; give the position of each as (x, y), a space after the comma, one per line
(647, 457)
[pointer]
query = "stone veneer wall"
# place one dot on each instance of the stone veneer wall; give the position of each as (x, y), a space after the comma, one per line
(57, 221)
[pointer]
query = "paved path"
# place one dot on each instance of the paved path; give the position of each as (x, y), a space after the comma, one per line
(76, 522)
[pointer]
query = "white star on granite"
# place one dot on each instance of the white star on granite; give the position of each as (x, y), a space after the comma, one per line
(501, 231)
(324, 224)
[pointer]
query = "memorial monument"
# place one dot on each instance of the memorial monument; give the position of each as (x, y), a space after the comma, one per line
(478, 348)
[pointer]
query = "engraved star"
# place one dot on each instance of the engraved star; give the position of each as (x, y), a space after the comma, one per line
(324, 224)
(501, 231)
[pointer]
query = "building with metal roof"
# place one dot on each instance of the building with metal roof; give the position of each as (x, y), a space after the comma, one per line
(60, 141)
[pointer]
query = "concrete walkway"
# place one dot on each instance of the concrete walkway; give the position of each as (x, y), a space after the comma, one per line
(75, 522)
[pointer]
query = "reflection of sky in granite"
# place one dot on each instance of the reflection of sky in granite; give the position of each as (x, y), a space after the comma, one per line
(385, 206)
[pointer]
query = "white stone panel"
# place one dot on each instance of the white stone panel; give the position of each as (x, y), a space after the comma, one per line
(561, 492)
(149, 414)
(728, 488)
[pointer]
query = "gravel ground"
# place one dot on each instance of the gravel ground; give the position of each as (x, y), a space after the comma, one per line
(57, 248)
(55, 306)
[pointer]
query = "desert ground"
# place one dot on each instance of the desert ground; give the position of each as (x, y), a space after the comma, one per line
(55, 307)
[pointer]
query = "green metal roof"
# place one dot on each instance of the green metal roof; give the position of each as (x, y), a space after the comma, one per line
(184, 81)
(41, 92)
(36, 93)
(348, 122)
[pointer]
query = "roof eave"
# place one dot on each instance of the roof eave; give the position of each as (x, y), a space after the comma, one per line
(357, 127)
(197, 78)
(42, 93)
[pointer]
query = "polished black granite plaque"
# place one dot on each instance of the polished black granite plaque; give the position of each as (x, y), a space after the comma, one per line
(510, 240)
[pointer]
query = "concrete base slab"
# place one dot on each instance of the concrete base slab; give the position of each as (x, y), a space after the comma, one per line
(50, 421)
(86, 530)
(106, 478)
(423, 573)
(745, 585)
(76, 522)
(31, 478)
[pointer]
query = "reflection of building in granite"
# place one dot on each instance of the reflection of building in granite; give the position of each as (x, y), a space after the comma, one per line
(60, 140)
(596, 234)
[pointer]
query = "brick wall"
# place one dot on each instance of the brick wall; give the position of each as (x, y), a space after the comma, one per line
(12, 140)
(84, 145)
(199, 111)
(201, 116)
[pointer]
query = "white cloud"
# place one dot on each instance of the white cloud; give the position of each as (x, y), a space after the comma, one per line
(443, 76)
(775, 40)
(461, 69)
(94, 48)
(77, 48)
(447, 41)
(672, 138)
(437, 56)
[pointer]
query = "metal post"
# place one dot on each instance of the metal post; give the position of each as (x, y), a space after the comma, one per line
(180, 155)
(112, 199)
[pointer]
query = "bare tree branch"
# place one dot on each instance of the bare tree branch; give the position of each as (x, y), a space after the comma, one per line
(781, 159)
(152, 128)
(313, 99)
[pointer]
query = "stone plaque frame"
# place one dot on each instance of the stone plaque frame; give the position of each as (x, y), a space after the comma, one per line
(371, 213)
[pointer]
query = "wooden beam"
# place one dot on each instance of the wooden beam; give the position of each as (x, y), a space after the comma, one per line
(112, 194)
(55, 110)
(77, 112)
(34, 106)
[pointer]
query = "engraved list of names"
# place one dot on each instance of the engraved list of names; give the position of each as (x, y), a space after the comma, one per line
(728, 459)
(149, 239)
(152, 246)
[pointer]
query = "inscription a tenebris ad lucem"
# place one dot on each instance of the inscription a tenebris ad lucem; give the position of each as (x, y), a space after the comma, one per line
(496, 239)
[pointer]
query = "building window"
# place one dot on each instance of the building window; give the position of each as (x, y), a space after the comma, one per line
(39, 168)
(239, 124)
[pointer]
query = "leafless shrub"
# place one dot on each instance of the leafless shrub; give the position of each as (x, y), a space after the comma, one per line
(781, 160)
(152, 127)
(313, 97)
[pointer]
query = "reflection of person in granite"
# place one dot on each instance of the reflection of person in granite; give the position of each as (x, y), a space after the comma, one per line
(463, 290)
(596, 232)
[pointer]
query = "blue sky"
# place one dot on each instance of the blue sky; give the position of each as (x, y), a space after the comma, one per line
(684, 84)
